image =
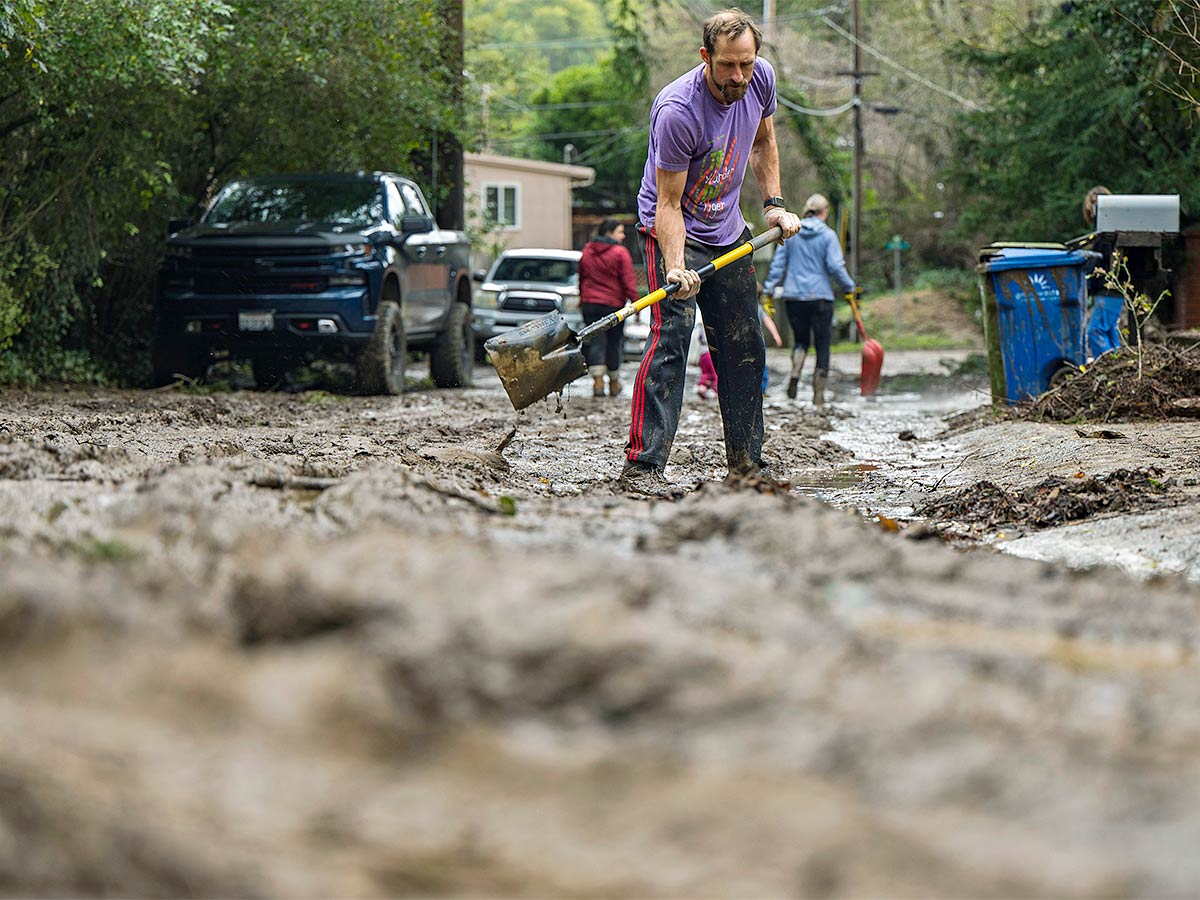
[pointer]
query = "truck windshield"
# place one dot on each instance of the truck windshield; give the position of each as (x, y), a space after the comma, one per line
(551, 271)
(337, 202)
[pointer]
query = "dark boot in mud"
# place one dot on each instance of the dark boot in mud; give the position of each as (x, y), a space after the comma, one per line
(648, 481)
(819, 378)
(798, 357)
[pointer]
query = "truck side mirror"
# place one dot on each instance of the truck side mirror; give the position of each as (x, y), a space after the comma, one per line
(416, 224)
(479, 275)
(174, 225)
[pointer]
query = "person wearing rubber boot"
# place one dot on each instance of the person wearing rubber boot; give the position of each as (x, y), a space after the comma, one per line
(606, 283)
(805, 268)
(705, 127)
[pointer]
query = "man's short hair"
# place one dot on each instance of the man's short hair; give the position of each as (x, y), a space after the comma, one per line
(730, 23)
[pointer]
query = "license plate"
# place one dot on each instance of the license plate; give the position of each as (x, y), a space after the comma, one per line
(256, 321)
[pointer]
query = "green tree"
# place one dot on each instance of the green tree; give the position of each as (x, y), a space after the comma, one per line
(593, 115)
(1077, 101)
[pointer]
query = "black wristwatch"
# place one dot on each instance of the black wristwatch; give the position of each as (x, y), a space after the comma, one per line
(774, 201)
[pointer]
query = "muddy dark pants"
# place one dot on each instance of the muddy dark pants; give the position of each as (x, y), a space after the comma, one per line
(813, 317)
(605, 348)
(728, 301)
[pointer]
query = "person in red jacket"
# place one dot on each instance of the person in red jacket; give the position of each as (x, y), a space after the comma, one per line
(605, 283)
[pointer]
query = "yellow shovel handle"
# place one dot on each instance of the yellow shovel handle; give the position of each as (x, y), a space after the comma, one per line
(767, 237)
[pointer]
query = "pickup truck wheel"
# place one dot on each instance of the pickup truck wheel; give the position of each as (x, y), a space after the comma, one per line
(381, 363)
(175, 359)
(452, 362)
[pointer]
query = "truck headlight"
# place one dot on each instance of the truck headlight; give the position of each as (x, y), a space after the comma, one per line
(570, 302)
(179, 251)
(487, 299)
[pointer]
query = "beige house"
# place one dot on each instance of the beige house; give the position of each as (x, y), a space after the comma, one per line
(519, 202)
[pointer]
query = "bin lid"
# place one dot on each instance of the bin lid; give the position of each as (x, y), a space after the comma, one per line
(1030, 258)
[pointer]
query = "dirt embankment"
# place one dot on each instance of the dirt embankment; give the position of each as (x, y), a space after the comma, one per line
(261, 645)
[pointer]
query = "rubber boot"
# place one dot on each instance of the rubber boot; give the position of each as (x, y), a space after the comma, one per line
(597, 373)
(798, 357)
(819, 378)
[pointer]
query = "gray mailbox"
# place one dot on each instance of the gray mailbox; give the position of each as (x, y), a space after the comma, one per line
(1138, 212)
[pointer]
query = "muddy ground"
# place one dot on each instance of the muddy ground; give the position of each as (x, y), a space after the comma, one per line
(305, 645)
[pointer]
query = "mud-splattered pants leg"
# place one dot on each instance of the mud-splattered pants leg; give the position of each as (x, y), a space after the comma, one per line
(728, 301)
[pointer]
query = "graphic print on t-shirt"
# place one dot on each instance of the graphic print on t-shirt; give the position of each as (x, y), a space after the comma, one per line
(705, 198)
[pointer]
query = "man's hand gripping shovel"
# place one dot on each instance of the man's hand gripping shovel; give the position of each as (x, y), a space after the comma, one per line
(544, 356)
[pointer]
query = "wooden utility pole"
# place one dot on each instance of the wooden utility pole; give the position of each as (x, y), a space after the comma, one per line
(856, 228)
(448, 151)
(769, 21)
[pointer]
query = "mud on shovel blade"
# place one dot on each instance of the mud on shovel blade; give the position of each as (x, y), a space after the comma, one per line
(533, 361)
(545, 355)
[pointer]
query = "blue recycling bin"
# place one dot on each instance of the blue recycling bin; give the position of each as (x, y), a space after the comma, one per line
(1034, 301)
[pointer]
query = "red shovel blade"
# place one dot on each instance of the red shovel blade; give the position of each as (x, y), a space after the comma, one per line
(872, 366)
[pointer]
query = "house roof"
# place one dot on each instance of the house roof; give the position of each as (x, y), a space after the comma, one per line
(581, 176)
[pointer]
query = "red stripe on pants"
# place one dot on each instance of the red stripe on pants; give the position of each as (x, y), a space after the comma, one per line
(639, 384)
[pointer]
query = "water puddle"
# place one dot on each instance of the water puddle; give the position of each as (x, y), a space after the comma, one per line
(892, 437)
(830, 483)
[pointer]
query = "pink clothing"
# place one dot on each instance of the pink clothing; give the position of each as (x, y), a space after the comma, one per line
(708, 373)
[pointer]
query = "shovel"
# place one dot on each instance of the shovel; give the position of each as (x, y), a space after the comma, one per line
(872, 354)
(544, 355)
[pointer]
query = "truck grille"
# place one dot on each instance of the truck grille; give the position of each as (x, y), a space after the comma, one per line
(529, 303)
(249, 283)
(234, 251)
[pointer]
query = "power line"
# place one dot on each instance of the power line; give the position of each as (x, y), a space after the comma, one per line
(604, 132)
(961, 100)
(581, 104)
(832, 111)
(551, 44)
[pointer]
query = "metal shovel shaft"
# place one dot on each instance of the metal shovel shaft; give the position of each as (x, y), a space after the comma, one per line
(544, 355)
(620, 315)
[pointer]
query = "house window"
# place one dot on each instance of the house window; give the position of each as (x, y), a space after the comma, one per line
(500, 204)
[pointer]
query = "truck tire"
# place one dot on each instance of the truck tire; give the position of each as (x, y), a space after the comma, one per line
(175, 359)
(452, 362)
(381, 363)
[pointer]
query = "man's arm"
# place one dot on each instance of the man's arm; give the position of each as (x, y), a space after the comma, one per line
(764, 163)
(669, 230)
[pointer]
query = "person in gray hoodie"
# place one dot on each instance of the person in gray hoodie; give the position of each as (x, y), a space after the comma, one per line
(805, 268)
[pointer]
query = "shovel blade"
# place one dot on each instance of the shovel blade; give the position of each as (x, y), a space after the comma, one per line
(872, 366)
(537, 359)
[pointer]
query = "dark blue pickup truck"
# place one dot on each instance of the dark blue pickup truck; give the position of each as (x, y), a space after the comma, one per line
(287, 268)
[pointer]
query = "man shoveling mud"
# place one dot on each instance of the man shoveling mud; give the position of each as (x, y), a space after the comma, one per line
(704, 128)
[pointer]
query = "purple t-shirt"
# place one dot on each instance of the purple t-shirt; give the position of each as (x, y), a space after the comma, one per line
(690, 129)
